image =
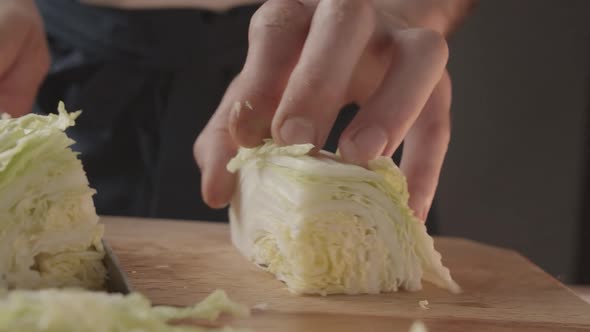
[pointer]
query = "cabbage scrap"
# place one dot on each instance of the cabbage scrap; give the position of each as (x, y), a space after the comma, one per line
(326, 227)
(49, 231)
(74, 310)
(418, 326)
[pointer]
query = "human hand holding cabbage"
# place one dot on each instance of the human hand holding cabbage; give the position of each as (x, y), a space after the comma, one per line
(307, 59)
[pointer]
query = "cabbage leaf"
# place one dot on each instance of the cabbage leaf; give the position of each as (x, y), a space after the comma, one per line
(74, 310)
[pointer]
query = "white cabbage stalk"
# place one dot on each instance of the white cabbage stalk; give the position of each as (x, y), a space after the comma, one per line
(70, 310)
(325, 227)
(49, 231)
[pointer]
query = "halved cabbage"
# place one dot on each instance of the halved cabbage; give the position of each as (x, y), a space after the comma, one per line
(49, 231)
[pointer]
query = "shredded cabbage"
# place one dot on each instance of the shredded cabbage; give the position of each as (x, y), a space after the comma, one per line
(326, 227)
(49, 231)
(418, 326)
(73, 310)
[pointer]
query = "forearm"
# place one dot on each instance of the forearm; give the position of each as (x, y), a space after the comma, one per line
(443, 16)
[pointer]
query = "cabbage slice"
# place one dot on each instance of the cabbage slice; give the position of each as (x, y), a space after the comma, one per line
(326, 227)
(49, 231)
(74, 310)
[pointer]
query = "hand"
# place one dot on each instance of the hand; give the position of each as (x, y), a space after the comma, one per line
(306, 60)
(24, 58)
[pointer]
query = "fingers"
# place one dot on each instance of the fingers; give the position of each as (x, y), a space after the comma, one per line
(213, 149)
(24, 57)
(425, 148)
(276, 37)
(317, 87)
(298, 75)
(382, 123)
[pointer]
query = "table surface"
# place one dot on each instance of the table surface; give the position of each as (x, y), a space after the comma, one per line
(179, 263)
(582, 291)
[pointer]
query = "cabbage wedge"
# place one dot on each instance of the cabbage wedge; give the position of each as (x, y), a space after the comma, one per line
(49, 231)
(326, 227)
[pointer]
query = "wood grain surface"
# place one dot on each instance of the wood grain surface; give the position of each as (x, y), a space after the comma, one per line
(582, 291)
(179, 263)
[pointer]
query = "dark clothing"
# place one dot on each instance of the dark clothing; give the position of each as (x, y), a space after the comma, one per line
(147, 82)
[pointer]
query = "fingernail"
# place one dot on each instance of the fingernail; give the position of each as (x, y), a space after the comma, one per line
(248, 129)
(369, 143)
(297, 131)
(234, 118)
(217, 188)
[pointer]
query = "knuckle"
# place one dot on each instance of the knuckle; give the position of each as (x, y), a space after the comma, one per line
(266, 97)
(431, 42)
(197, 148)
(439, 129)
(348, 6)
(316, 85)
(381, 46)
(259, 89)
(361, 10)
(279, 15)
(434, 122)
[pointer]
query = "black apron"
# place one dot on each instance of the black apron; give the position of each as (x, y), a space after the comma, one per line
(147, 82)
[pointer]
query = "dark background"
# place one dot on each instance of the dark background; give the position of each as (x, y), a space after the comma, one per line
(517, 170)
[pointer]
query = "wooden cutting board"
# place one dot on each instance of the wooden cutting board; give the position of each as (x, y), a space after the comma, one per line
(179, 263)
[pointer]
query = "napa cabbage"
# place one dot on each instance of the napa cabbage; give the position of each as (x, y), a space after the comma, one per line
(49, 230)
(74, 310)
(326, 227)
